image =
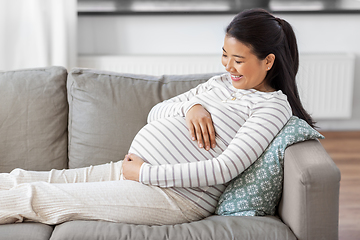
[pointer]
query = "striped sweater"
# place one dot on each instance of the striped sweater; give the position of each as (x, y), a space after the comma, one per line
(244, 128)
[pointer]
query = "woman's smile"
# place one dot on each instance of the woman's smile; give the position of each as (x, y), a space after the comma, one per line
(236, 78)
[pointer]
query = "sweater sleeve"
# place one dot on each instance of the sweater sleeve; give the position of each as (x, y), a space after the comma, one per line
(178, 105)
(266, 119)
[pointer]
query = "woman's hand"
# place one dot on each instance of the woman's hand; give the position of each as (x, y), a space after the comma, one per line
(201, 126)
(131, 167)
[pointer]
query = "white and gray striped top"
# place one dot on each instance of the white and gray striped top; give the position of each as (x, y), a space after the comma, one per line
(244, 128)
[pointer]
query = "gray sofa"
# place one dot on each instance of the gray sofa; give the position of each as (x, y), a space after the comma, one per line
(52, 119)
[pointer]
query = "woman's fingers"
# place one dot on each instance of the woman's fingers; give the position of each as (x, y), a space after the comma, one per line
(191, 130)
(211, 131)
(201, 127)
(208, 135)
(131, 167)
(204, 133)
(199, 135)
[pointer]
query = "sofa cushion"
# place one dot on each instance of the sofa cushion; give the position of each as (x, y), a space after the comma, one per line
(33, 119)
(257, 190)
(25, 231)
(107, 109)
(214, 227)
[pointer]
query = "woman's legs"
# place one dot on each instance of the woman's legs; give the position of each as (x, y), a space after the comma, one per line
(91, 193)
(117, 201)
(105, 172)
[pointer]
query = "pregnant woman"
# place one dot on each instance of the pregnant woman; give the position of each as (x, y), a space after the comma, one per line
(169, 175)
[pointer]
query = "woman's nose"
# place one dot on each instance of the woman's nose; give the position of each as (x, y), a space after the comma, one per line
(228, 66)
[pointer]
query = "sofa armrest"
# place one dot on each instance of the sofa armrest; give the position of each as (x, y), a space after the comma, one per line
(310, 200)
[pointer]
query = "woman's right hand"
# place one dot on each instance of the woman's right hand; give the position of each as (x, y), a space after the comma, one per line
(201, 126)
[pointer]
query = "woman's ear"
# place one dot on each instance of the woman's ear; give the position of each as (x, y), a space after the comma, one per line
(269, 61)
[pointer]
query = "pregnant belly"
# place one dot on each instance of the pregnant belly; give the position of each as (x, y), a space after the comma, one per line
(167, 141)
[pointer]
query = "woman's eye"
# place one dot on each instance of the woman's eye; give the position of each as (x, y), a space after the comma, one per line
(224, 55)
(238, 62)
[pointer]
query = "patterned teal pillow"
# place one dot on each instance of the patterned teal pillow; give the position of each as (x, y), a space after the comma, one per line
(257, 190)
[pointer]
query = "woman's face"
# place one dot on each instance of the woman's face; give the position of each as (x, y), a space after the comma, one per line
(246, 70)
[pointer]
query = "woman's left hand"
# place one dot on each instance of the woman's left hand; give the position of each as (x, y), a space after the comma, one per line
(131, 167)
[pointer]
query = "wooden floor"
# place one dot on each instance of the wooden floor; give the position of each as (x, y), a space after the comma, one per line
(344, 148)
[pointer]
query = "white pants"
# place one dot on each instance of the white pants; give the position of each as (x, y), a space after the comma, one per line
(92, 193)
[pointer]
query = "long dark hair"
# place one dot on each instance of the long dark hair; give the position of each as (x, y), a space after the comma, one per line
(265, 34)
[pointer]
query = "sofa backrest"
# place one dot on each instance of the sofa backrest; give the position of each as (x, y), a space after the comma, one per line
(33, 119)
(107, 109)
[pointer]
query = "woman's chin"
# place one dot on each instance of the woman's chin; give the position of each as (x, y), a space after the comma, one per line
(238, 85)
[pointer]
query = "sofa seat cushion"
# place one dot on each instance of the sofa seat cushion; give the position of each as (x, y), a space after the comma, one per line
(214, 227)
(25, 231)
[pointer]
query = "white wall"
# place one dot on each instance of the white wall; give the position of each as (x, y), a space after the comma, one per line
(332, 33)
(203, 34)
(152, 35)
